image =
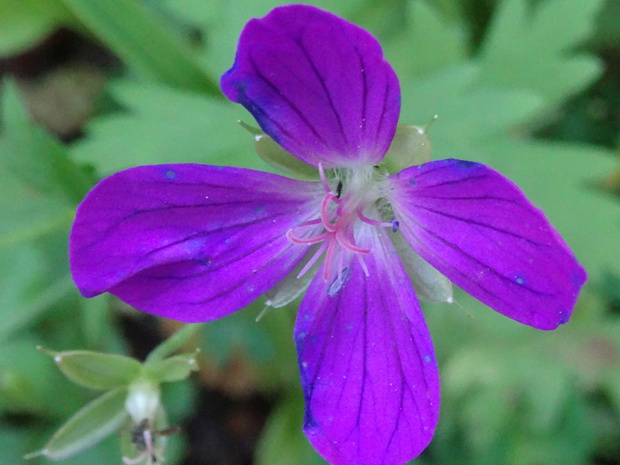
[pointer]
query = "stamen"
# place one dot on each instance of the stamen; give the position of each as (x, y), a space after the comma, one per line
(338, 231)
(328, 259)
(313, 260)
(312, 240)
(148, 440)
(349, 245)
(324, 214)
(339, 282)
(339, 189)
(264, 311)
(367, 220)
(324, 179)
(309, 223)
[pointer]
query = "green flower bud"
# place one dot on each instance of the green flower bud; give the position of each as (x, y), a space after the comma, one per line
(410, 146)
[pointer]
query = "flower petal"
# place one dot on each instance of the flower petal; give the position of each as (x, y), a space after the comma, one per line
(478, 229)
(367, 365)
(189, 242)
(317, 84)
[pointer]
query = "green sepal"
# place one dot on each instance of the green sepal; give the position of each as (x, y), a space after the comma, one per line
(278, 158)
(90, 425)
(251, 129)
(96, 370)
(171, 369)
(410, 146)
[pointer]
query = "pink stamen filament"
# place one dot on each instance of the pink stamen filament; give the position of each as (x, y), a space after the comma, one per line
(350, 245)
(367, 220)
(312, 240)
(336, 237)
(328, 259)
(324, 214)
(313, 260)
(337, 231)
(324, 179)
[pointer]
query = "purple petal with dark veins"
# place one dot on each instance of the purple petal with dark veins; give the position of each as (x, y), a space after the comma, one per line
(478, 229)
(367, 365)
(317, 84)
(189, 242)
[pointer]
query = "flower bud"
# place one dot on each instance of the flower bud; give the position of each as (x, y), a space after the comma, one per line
(142, 401)
(410, 146)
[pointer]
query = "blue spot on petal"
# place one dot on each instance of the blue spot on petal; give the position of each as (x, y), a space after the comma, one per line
(564, 317)
(413, 182)
(520, 280)
(259, 209)
(577, 277)
(395, 224)
(170, 174)
(427, 359)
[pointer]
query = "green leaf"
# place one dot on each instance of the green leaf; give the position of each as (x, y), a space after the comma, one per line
(283, 441)
(135, 35)
(559, 179)
(25, 291)
(26, 22)
(171, 369)
(97, 370)
(468, 116)
(428, 44)
(531, 49)
(164, 125)
(17, 393)
(30, 384)
(226, 336)
(222, 21)
(13, 443)
(35, 157)
(90, 425)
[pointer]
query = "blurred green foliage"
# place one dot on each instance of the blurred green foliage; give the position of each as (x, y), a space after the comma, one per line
(499, 74)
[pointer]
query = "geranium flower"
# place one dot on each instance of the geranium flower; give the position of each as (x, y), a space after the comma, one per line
(197, 242)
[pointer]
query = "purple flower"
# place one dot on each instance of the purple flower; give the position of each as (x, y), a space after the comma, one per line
(197, 242)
